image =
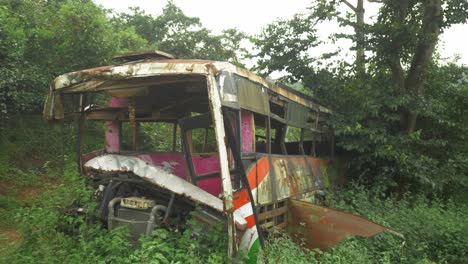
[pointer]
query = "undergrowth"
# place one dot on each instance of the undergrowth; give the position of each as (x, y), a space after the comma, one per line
(435, 230)
(46, 240)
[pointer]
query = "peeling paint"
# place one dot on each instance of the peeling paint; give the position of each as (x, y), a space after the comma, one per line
(99, 79)
(160, 177)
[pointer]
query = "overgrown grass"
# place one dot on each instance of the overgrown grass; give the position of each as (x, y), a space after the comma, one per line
(282, 249)
(29, 164)
(436, 230)
(46, 239)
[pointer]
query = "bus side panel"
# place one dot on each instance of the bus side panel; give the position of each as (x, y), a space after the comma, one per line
(278, 177)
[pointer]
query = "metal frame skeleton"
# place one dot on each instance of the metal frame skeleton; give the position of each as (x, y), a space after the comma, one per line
(252, 185)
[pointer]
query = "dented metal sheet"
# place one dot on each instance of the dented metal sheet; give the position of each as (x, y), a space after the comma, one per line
(160, 177)
(70, 81)
(140, 55)
(321, 227)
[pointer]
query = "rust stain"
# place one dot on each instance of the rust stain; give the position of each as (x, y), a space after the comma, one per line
(103, 78)
(323, 228)
(95, 71)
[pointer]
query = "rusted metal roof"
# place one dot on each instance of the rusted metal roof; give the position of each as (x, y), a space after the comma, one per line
(108, 77)
(151, 54)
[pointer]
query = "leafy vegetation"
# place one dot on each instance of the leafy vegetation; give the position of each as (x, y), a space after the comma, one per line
(400, 117)
(433, 229)
(392, 116)
(40, 40)
(434, 233)
(182, 36)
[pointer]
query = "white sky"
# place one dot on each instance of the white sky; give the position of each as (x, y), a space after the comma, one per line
(251, 15)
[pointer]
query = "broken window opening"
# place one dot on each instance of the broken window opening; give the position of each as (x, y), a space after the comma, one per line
(153, 137)
(202, 140)
(294, 140)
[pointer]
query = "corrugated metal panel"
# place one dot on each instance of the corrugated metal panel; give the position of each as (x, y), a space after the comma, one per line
(252, 96)
(296, 115)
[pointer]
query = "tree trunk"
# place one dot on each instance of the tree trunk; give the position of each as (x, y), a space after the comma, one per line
(360, 39)
(408, 121)
(413, 83)
(428, 36)
(359, 36)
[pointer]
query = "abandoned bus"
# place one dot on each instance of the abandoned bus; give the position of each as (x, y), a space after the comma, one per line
(206, 138)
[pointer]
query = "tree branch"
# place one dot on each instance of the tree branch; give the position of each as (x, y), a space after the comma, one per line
(349, 5)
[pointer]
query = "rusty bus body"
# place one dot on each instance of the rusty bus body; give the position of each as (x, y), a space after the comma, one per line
(252, 182)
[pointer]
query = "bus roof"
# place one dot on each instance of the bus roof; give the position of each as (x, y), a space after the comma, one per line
(108, 77)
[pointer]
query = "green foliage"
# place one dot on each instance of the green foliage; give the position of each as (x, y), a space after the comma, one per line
(429, 160)
(14, 72)
(285, 45)
(282, 249)
(31, 162)
(40, 40)
(29, 148)
(371, 111)
(434, 232)
(177, 246)
(157, 137)
(44, 240)
(50, 236)
(181, 35)
(433, 228)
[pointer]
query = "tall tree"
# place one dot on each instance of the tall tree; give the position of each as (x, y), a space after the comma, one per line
(386, 116)
(42, 39)
(360, 35)
(183, 36)
(405, 37)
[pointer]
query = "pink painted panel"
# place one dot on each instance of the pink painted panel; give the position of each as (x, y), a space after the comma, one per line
(212, 185)
(113, 127)
(247, 125)
(118, 102)
(112, 136)
(176, 164)
(232, 120)
(207, 164)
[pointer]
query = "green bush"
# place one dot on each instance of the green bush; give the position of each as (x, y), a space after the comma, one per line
(435, 232)
(434, 229)
(47, 237)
